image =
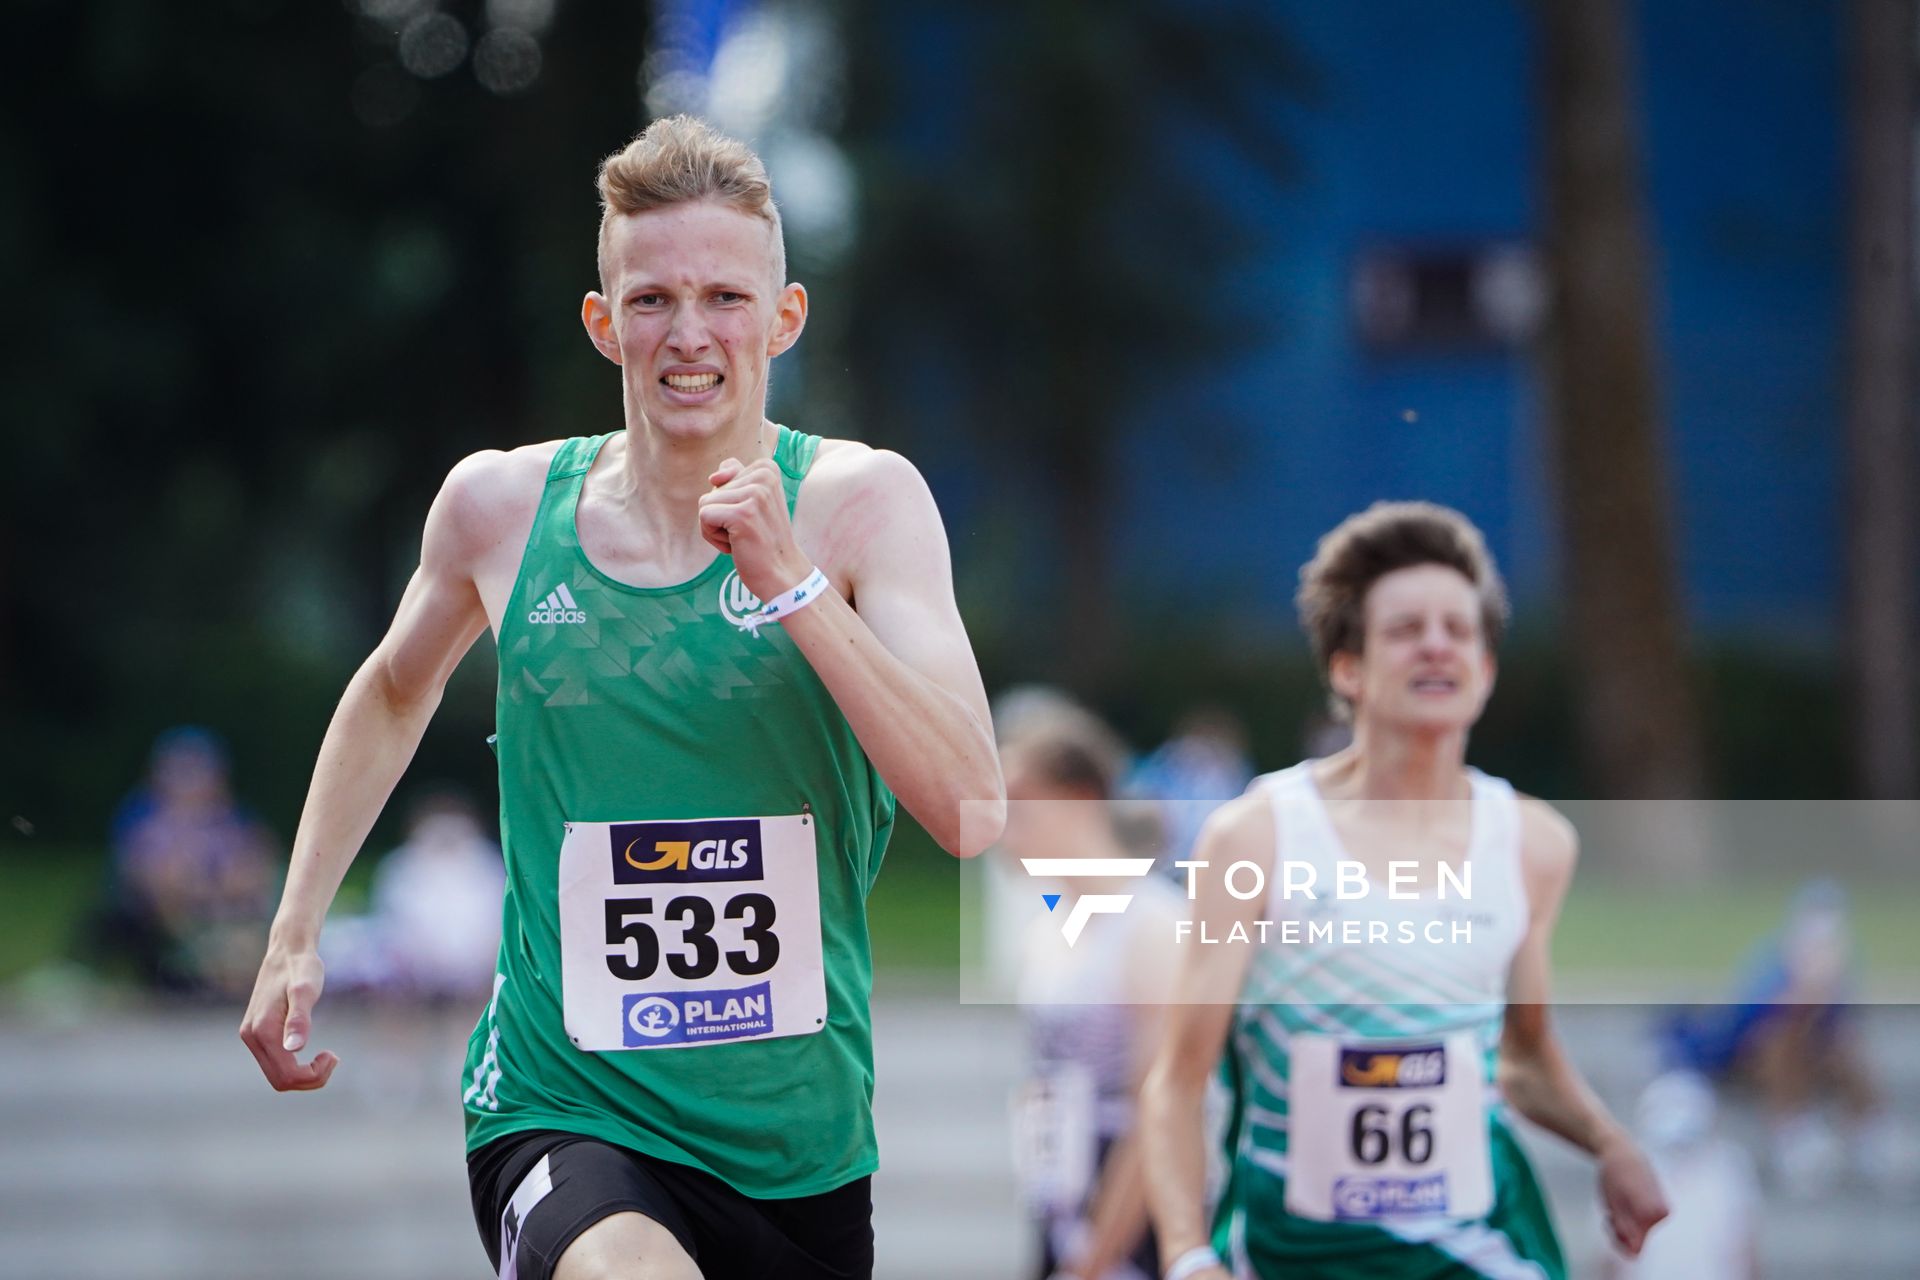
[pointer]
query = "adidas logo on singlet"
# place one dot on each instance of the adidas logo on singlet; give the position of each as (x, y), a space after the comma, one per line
(557, 607)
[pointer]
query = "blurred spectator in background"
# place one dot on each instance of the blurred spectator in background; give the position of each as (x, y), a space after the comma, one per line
(1006, 889)
(1201, 767)
(1713, 1233)
(1091, 1007)
(1791, 1036)
(433, 931)
(1022, 706)
(192, 874)
(428, 944)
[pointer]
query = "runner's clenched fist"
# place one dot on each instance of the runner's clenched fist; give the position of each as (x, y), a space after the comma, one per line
(745, 515)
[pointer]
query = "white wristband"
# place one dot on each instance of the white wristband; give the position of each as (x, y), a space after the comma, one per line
(1192, 1262)
(811, 588)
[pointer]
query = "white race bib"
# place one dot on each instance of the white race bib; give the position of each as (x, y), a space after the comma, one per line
(1387, 1132)
(1053, 1138)
(677, 934)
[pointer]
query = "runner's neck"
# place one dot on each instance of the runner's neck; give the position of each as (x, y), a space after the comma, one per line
(1389, 766)
(656, 483)
(662, 468)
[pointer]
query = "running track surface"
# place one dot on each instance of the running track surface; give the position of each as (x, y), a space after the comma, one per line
(144, 1143)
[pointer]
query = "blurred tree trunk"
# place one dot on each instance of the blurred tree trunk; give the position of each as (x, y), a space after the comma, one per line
(1080, 486)
(1636, 707)
(1070, 171)
(1880, 633)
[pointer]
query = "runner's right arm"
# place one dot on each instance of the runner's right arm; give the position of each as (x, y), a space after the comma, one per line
(1172, 1102)
(373, 735)
(1537, 1077)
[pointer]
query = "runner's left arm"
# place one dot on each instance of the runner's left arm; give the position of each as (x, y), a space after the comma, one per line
(1536, 1075)
(901, 668)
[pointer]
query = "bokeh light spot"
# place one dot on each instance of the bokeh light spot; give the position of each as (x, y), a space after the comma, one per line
(506, 60)
(433, 45)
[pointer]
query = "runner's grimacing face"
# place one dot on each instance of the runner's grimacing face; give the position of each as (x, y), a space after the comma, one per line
(693, 314)
(1425, 662)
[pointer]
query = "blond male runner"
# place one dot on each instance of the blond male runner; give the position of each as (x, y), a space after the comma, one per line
(699, 755)
(1367, 1138)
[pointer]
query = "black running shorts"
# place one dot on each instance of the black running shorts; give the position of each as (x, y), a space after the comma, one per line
(535, 1192)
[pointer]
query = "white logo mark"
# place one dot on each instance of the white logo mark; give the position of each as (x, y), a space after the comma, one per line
(653, 1017)
(737, 604)
(1088, 905)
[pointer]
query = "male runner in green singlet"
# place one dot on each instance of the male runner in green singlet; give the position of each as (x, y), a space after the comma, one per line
(1367, 1139)
(725, 647)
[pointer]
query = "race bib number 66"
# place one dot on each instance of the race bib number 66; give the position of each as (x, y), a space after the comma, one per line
(676, 934)
(1381, 1133)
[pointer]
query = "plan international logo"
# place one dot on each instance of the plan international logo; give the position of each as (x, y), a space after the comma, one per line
(689, 1017)
(1086, 905)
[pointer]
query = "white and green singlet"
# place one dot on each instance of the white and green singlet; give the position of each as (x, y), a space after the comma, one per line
(1365, 1136)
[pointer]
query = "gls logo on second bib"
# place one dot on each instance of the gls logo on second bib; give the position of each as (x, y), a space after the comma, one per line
(686, 852)
(1421, 1067)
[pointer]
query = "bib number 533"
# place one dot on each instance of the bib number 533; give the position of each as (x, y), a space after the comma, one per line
(637, 958)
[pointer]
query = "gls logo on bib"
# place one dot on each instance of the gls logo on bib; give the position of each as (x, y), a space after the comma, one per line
(1422, 1067)
(686, 852)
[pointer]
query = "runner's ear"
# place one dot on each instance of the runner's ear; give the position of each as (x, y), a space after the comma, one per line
(1343, 674)
(596, 313)
(789, 319)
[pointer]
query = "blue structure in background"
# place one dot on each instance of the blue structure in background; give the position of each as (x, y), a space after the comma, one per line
(1423, 134)
(1406, 143)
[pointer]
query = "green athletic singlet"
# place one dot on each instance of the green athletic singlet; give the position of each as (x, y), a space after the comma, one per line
(691, 831)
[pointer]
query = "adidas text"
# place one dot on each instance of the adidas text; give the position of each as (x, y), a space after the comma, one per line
(559, 606)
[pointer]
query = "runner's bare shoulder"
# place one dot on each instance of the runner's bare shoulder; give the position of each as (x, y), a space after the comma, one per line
(1549, 846)
(857, 498)
(847, 470)
(1241, 830)
(489, 499)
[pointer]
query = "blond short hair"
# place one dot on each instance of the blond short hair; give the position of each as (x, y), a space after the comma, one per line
(1364, 548)
(681, 160)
